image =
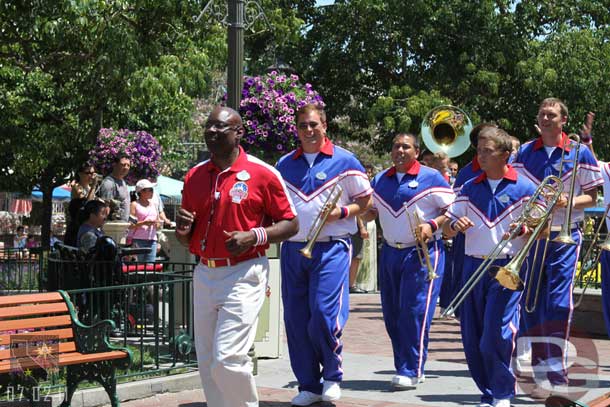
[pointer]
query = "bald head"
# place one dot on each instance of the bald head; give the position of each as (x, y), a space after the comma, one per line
(225, 114)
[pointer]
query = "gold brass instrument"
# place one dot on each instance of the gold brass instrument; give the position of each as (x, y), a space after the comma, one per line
(446, 128)
(533, 215)
(420, 246)
(590, 260)
(320, 220)
(565, 235)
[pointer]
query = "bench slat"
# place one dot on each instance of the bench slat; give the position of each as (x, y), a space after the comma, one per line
(66, 359)
(64, 347)
(30, 298)
(31, 310)
(35, 323)
(65, 333)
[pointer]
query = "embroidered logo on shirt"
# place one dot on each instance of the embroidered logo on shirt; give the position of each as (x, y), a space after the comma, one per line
(413, 184)
(238, 192)
(321, 175)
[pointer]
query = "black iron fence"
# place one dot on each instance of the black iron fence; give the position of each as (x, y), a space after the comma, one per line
(150, 303)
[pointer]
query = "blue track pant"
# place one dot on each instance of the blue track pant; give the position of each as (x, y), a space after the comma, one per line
(552, 317)
(408, 300)
(315, 293)
(489, 320)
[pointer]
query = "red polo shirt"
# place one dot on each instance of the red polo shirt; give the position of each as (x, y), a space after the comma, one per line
(249, 194)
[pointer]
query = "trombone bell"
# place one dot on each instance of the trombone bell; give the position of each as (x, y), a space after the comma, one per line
(509, 278)
(565, 239)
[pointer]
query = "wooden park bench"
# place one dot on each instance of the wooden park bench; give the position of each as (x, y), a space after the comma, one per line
(39, 332)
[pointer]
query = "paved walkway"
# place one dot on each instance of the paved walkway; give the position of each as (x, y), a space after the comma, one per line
(369, 368)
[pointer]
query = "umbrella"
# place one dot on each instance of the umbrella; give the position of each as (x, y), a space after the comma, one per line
(60, 193)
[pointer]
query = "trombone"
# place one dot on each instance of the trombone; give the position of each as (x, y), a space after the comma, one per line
(420, 246)
(590, 260)
(533, 215)
(564, 235)
(322, 216)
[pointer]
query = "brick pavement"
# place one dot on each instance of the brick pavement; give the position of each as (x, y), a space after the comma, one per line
(365, 335)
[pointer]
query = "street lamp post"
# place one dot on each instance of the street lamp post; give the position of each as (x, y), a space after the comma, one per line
(235, 69)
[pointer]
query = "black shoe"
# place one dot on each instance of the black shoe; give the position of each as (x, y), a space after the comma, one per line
(357, 290)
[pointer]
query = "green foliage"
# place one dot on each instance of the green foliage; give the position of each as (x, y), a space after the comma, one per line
(383, 63)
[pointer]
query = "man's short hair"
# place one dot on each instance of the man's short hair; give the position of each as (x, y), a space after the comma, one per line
(501, 138)
(476, 130)
(312, 107)
(555, 101)
(413, 136)
(120, 156)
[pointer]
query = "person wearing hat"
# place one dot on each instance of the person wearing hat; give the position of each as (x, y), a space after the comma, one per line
(144, 218)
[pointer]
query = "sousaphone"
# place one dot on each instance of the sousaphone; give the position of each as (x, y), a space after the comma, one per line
(446, 128)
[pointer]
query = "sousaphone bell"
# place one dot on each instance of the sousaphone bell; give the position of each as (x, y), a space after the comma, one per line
(446, 128)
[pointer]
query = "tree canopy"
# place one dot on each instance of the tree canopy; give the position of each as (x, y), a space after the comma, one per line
(384, 63)
(69, 67)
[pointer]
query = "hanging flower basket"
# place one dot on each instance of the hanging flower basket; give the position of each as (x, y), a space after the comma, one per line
(268, 107)
(141, 147)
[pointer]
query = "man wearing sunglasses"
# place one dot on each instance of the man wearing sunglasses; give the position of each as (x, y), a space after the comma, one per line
(233, 206)
(315, 291)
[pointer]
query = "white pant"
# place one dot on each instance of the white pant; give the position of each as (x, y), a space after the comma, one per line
(227, 301)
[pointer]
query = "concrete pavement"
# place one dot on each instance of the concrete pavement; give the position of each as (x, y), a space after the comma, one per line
(368, 369)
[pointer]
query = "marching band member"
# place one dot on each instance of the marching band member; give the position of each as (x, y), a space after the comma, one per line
(315, 291)
(552, 317)
(228, 205)
(408, 294)
(454, 258)
(489, 318)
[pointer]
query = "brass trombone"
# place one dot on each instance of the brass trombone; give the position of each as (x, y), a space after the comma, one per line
(564, 236)
(420, 246)
(590, 260)
(320, 220)
(534, 216)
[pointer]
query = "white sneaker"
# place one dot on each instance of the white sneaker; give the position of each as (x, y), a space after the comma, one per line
(331, 391)
(306, 398)
(484, 405)
(501, 403)
(405, 382)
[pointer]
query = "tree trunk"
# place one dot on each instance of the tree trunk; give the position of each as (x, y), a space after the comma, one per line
(46, 186)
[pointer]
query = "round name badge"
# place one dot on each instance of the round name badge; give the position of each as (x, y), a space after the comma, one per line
(243, 175)
(413, 184)
(321, 175)
(504, 198)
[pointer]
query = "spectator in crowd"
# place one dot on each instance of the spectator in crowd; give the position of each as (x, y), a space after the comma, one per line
(357, 255)
(20, 238)
(31, 241)
(440, 162)
(426, 158)
(74, 222)
(93, 216)
(85, 183)
(516, 144)
(144, 217)
(115, 188)
(453, 170)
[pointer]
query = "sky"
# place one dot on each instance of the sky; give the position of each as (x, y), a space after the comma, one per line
(324, 2)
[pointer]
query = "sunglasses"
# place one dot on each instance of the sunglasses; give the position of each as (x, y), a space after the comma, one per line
(89, 172)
